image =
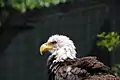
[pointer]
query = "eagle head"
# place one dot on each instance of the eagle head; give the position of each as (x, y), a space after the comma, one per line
(60, 46)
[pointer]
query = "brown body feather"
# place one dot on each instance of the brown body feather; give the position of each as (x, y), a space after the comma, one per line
(86, 68)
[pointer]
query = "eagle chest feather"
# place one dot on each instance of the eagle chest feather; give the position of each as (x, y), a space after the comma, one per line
(86, 68)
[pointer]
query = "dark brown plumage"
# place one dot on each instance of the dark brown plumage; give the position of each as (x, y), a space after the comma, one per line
(86, 68)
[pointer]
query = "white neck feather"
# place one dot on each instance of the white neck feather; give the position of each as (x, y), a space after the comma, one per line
(64, 53)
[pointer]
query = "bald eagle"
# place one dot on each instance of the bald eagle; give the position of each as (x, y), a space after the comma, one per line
(64, 65)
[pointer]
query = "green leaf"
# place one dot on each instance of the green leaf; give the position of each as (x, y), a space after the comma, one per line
(17, 6)
(110, 49)
(109, 41)
(23, 7)
(108, 36)
(41, 3)
(55, 2)
(28, 3)
(112, 33)
(46, 4)
(101, 35)
(118, 37)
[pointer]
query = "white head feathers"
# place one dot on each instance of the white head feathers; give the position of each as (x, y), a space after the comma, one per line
(63, 49)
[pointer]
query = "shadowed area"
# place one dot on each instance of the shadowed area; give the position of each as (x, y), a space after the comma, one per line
(8, 34)
(102, 53)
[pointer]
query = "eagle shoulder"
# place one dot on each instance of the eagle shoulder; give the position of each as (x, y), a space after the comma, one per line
(78, 69)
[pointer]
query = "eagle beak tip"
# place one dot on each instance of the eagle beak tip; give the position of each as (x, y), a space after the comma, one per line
(41, 53)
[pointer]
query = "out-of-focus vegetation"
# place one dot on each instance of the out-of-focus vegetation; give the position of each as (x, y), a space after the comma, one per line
(116, 69)
(24, 5)
(108, 40)
(1, 3)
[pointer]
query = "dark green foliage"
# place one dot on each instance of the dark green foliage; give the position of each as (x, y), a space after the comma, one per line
(24, 5)
(109, 40)
(116, 69)
(1, 3)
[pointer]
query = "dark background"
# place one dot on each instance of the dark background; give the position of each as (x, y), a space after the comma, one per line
(22, 34)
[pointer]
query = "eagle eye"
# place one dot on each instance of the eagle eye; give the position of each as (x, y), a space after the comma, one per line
(53, 42)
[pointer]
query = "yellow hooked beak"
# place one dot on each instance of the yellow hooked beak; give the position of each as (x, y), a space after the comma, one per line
(45, 47)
